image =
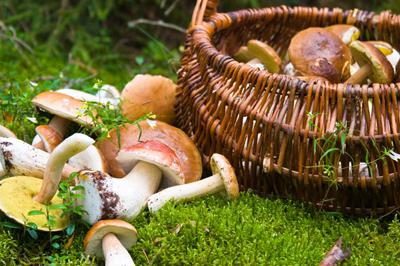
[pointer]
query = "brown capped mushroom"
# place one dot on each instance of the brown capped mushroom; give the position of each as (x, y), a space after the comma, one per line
(62, 105)
(223, 179)
(319, 52)
(382, 46)
(243, 54)
(373, 64)
(49, 137)
(347, 33)
(266, 54)
(109, 240)
(173, 137)
(149, 94)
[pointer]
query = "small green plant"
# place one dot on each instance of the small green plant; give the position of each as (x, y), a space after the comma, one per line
(331, 147)
(69, 194)
(106, 118)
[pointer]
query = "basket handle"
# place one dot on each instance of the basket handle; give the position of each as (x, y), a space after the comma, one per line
(203, 10)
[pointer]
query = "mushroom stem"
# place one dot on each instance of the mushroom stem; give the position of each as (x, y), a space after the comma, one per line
(128, 194)
(19, 158)
(52, 174)
(184, 192)
(361, 75)
(114, 252)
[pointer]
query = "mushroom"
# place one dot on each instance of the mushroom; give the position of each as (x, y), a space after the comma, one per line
(149, 94)
(66, 108)
(109, 240)
(347, 33)
(373, 64)
(243, 54)
(49, 136)
(30, 193)
(91, 159)
(319, 52)
(129, 135)
(384, 47)
(19, 158)
(391, 54)
(266, 54)
(110, 93)
(107, 197)
(61, 125)
(223, 178)
(7, 133)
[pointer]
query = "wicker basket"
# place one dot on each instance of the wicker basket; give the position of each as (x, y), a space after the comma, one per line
(282, 134)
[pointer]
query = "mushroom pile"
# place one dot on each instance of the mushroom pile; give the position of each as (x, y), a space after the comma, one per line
(137, 166)
(332, 54)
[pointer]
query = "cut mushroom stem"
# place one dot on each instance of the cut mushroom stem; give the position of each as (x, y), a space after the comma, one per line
(223, 178)
(52, 175)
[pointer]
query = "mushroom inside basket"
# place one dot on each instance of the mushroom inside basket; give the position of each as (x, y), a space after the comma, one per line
(303, 102)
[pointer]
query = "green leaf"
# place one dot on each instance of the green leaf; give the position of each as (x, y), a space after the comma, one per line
(11, 225)
(70, 229)
(57, 207)
(55, 245)
(36, 212)
(32, 233)
(326, 153)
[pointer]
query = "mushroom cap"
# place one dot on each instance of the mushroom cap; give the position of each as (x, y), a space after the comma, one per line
(147, 93)
(365, 53)
(397, 77)
(16, 201)
(49, 136)
(266, 54)
(319, 52)
(62, 105)
(347, 33)
(154, 152)
(243, 54)
(382, 46)
(91, 158)
(172, 137)
(125, 232)
(220, 165)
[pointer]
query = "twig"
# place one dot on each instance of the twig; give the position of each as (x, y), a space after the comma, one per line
(336, 254)
(171, 8)
(159, 23)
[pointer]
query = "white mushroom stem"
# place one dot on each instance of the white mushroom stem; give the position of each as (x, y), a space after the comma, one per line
(52, 175)
(129, 194)
(19, 158)
(5, 132)
(114, 252)
(209, 185)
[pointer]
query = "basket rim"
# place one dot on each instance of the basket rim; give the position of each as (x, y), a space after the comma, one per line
(203, 33)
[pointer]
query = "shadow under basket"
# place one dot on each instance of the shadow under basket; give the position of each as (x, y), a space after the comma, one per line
(329, 145)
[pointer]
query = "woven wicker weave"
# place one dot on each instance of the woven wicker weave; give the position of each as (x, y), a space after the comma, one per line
(262, 121)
